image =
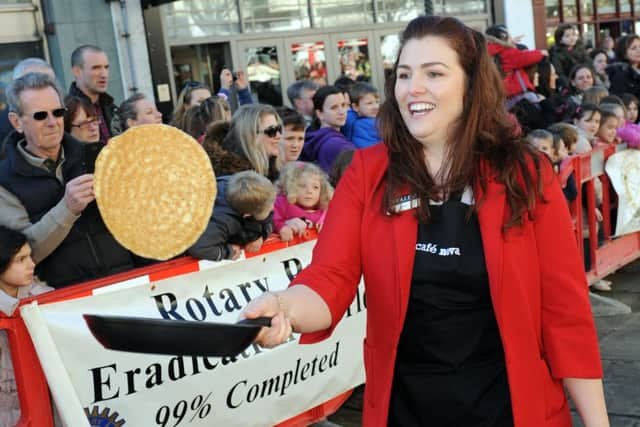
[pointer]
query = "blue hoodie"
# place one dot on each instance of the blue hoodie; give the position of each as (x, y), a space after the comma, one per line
(365, 133)
(322, 146)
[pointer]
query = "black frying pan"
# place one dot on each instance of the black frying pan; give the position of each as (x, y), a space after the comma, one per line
(174, 337)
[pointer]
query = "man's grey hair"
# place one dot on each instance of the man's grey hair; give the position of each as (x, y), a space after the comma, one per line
(21, 68)
(30, 81)
(77, 56)
(295, 90)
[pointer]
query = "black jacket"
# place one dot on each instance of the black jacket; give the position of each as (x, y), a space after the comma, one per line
(109, 109)
(226, 227)
(624, 79)
(89, 251)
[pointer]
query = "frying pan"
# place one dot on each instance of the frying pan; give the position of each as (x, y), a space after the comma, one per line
(174, 337)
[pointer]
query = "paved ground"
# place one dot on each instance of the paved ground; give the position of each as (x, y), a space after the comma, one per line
(619, 336)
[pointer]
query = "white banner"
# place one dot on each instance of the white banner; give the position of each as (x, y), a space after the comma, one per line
(623, 169)
(260, 387)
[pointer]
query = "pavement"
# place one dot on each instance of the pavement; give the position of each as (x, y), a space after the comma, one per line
(617, 315)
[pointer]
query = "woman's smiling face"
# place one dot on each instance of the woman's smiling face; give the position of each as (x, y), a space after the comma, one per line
(429, 89)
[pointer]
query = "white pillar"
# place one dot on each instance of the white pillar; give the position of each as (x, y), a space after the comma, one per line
(518, 17)
(132, 51)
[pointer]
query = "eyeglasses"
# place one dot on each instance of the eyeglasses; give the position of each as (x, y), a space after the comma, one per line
(272, 131)
(87, 123)
(42, 115)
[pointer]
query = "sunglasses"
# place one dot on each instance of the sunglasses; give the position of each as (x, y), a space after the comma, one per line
(272, 131)
(42, 115)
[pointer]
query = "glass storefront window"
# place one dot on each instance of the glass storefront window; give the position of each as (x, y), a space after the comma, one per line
(587, 8)
(263, 72)
(552, 8)
(569, 9)
(309, 61)
(625, 6)
(338, 13)
(8, 2)
(10, 55)
(353, 55)
(636, 8)
(606, 7)
(459, 7)
(389, 47)
(279, 15)
(589, 35)
(186, 19)
(398, 10)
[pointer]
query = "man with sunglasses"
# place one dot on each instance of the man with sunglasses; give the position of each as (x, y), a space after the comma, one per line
(90, 67)
(46, 194)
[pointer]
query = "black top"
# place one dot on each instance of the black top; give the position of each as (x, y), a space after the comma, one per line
(450, 368)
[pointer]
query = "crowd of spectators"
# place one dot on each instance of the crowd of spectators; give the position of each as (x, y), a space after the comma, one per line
(276, 168)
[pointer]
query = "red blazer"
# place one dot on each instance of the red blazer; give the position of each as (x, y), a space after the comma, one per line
(538, 289)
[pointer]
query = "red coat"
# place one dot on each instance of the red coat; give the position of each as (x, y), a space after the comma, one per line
(538, 289)
(514, 61)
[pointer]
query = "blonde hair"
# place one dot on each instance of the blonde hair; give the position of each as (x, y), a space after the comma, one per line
(294, 173)
(245, 125)
(250, 193)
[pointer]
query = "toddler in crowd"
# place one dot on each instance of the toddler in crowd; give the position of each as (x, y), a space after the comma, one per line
(241, 217)
(16, 283)
(366, 103)
(305, 193)
(587, 122)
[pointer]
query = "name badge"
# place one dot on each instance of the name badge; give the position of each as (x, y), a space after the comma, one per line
(404, 203)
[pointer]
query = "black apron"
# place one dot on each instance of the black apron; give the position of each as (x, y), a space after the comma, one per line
(450, 369)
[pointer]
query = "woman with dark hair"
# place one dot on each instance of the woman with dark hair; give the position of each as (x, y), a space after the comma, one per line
(453, 223)
(581, 78)
(567, 52)
(625, 75)
(323, 140)
(81, 119)
(599, 61)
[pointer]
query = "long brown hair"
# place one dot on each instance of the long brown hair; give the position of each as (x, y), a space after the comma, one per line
(484, 132)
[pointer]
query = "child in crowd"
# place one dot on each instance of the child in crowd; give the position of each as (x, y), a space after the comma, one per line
(607, 133)
(561, 163)
(365, 101)
(542, 140)
(587, 122)
(631, 105)
(628, 132)
(16, 283)
(305, 193)
(594, 95)
(293, 124)
(242, 216)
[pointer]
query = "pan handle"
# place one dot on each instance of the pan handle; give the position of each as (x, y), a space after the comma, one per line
(258, 321)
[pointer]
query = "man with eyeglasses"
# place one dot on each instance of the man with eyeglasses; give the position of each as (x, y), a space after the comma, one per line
(46, 194)
(90, 67)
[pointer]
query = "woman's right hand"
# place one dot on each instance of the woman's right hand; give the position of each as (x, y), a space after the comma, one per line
(269, 305)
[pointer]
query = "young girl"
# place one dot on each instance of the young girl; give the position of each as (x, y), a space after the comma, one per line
(628, 131)
(304, 196)
(607, 133)
(587, 122)
(631, 105)
(16, 282)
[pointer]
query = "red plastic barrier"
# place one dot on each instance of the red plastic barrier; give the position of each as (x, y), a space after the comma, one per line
(32, 386)
(612, 253)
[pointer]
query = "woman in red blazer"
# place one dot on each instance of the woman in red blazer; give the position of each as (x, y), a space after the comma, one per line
(477, 309)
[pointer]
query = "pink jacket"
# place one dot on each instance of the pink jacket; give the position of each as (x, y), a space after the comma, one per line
(283, 211)
(630, 133)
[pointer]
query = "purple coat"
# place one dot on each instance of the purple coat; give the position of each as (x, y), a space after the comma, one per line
(323, 146)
